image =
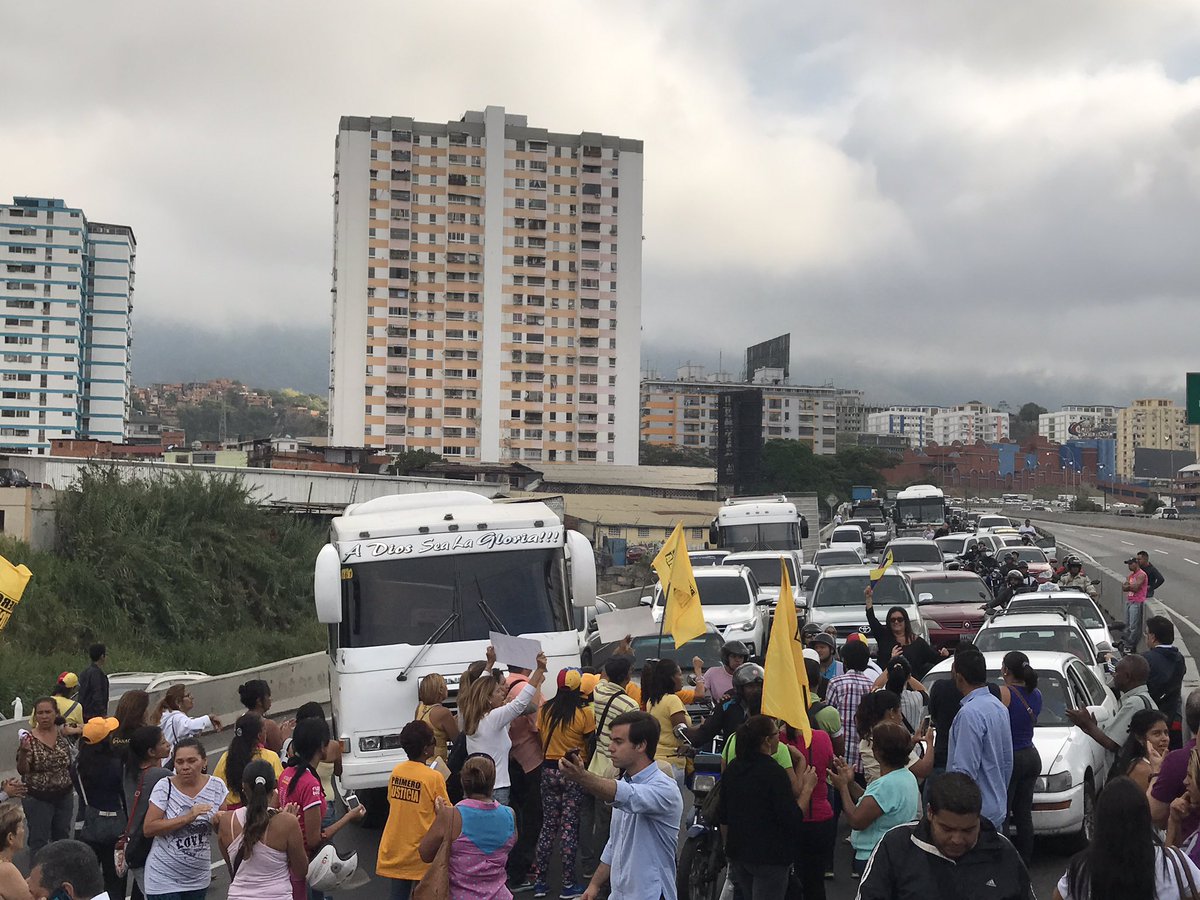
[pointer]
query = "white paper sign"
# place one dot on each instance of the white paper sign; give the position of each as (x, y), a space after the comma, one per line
(636, 621)
(515, 651)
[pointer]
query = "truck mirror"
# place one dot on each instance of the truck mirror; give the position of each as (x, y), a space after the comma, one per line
(803, 527)
(583, 571)
(327, 586)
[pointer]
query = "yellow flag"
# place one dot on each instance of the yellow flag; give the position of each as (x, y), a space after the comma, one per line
(785, 684)
(876, 574)
(682, 618)
(12, 585)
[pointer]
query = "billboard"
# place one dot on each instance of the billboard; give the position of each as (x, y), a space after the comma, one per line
(739, 439)
(773, 354)
(1193, 398)
(1152, 463)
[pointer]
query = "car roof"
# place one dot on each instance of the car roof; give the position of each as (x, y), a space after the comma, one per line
(909, 540)
(1034, 618)
(1047, 660)
(857, 528)
(1050, 596)
(958, 535)
(949, 575)
(720, 572)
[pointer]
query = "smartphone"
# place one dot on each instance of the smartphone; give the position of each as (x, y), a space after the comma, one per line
(925, 723)
(352, 801)
(575, 756)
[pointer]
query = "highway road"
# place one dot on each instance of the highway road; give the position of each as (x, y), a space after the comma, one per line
(1103, 551)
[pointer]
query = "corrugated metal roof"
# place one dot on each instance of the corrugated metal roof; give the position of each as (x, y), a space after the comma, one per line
(639, 476)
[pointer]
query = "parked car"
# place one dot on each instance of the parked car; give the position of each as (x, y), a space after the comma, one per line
(952, 604)
(730, 600)
(701, 558)
(833, 556)
(837, 599)
(120, 682)
(1074, 767)
(913, 554)
(1126, 511)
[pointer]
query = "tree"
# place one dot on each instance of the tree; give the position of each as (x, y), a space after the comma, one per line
(1030, 412)
(660, 455)
(408, 461)
(792, 467)
(1152, 504)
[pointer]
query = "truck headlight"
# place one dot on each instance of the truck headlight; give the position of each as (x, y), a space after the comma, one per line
(1053, 784)
(375, 742)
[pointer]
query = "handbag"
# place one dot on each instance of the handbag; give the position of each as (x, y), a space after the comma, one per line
(1183, 873)
(99, 826)
(435, 883)
(120, 858)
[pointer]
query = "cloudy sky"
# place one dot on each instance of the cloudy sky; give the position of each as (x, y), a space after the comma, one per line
(937, 199)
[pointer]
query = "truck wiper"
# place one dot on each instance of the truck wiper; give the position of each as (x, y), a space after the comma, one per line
(490, 615)
(433, 639)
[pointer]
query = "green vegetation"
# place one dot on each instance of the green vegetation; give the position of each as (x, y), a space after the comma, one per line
(790, 466)
(408, 461)
(291, 412)
(180, 572)
(1152, 504)
(1085, 504)
(660, 455)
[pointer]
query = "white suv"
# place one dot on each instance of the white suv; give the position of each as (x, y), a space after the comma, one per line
(730, 599)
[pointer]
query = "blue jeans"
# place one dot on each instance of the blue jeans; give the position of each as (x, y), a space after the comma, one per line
(401, 889)
(1135, 624)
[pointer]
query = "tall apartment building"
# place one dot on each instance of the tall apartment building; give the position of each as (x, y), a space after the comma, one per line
(969, 423)
(852, 412)
(1153, 423)
(682, 411)
(1078, 421)
(486, 290)
(67, 296)
(914, 423)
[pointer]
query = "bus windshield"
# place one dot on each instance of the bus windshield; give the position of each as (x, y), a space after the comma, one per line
(761, 536)
(403, 601)
(925, 510)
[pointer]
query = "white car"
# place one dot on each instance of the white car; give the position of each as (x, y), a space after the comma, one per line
(1054, 630)
(988, 521)
(765, 564)
(836, 556)
(955, 545)
(837, 600)
(1074, 766)
(1074, 603)
(729, 597)
(702, 558)
(120, 682)
(847, 537)
(914, 554)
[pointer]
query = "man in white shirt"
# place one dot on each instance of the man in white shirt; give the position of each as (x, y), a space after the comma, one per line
(67, 869)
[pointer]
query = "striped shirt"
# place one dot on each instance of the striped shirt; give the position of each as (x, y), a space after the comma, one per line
(845, 693)
(621, 704)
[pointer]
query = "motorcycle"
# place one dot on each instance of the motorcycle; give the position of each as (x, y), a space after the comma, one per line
(700, 874)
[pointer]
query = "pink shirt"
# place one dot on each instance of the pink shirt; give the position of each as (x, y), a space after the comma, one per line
(819, 756)
(1142, 581)
(523, 732)
(307, 793)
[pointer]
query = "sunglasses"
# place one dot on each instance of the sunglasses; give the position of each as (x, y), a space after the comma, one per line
(895, 619)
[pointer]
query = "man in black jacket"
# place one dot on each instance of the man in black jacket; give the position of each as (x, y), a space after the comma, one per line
(93, 684)
(1153, 576)
(954, 854)
(1167, 668)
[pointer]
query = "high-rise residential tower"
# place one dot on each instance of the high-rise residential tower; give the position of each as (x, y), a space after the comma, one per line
(67, 297)
(486, 290)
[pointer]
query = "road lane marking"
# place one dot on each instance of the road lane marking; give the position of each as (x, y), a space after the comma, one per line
(1192, 561)
(1127, 543)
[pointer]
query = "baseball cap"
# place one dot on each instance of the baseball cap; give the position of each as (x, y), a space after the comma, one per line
(68, 679)
(97, 729)
(825, 639)
(588, 682)
(1131, 559)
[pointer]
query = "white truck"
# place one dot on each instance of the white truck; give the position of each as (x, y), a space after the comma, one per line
(759, 523)
(412, 584)
(919, 508)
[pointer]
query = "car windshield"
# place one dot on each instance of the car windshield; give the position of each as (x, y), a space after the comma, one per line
(766, 569)
(848, 591)
(953, 545)
(403, 601)
(1054, 695)
(849, 536)
(1031, 555)
(705, 559)
(1012, 540)
(960, 590)
(914, 553)
(1054, 638)
(717, 592)
(837, 558)
(708, 648)
(1082, 609)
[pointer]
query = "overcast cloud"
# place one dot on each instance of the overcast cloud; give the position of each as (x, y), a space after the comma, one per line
(941, 201)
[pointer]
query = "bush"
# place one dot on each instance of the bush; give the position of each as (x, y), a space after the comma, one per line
(174, 571)
(1152, 504)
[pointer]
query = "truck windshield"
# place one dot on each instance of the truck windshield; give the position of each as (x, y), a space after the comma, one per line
(870, 513)
(761, 536)
(403, 601)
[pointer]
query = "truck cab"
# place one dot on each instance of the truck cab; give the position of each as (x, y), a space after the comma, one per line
(759, 523)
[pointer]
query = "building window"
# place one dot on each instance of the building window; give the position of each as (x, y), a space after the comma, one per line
(643, 531)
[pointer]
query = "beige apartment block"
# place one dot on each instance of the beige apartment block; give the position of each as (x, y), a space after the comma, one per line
(486, 290)
(1154, 423)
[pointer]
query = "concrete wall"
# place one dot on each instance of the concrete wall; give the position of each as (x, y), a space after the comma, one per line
(29, 515)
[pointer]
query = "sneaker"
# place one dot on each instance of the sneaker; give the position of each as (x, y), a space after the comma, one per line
(572, 891)
(539, 889)
(521, 887)
(830, 875)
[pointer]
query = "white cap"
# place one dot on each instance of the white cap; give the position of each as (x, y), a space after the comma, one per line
(810, 653)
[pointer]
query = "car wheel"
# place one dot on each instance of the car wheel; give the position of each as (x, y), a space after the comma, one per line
(1087, 826)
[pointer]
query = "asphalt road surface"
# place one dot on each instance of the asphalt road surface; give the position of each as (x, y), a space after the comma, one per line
(1101, 550)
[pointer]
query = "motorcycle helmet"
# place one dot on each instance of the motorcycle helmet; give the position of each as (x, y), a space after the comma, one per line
(328, 871)
(748, 673)
(1074, 563)
(1015, 577)
(734, 648)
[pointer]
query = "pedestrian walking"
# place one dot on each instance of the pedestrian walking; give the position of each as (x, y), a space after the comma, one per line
(1024, 701)
(891, 799)
(413, 790)
(245, 746)
(486, 712)
(525, 778)
(255, 695)
(12, 842)
(1125, 858)
(954, 853)
(1135, 587)
(147, 747)
(638, 862)
(481, 832)
(981, 743)
(171, 715)
(66, 869)
(1167, 670)
(44, 762)
(93, 684)
(566, 723)
(1140, 757)
(180, 820)
(432, 694)
(263, 848)
(132, 711)
(99, 774)
(846, 693)
(759, 812)
(330, 763)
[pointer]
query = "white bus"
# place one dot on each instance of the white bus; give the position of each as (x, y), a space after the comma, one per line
(413, 584)
(759, 523)
(919, 508)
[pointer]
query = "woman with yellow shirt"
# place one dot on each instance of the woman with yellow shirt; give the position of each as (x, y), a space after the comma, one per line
(431, 695)
(565, 724)
(245, 746)
(413, 791)
(663, 701)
